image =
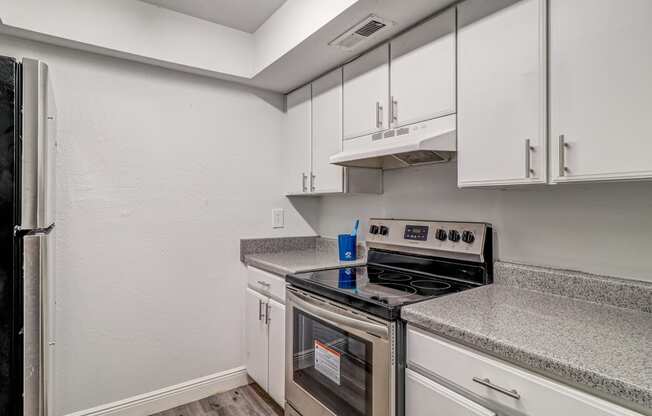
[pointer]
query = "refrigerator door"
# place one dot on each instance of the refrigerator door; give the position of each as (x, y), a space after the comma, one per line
(48, 322)
(10, 319)
(39, 147)
(32, 350)
(39, 329)
(37, 212)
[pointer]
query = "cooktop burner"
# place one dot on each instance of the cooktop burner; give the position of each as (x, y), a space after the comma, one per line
(385, 285)
(408, 261)
(430, 286)
(393, 276)
(376, 287)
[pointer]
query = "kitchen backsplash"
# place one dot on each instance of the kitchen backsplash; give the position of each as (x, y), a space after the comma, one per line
(597, 228)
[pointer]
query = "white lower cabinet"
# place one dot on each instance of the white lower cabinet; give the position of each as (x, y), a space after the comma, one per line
(256, 337)
(276, 342)
(265, 335)
(496, 385)
(424, 397)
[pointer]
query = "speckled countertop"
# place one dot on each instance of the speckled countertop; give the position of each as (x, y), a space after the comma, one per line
(284, 258)
(567, 334)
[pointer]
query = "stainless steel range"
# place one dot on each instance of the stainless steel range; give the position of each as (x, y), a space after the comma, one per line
(345, 349)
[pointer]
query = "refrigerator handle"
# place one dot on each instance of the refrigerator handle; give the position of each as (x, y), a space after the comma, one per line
(24, 232)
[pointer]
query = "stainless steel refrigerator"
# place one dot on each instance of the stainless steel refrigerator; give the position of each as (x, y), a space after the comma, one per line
(27, 289)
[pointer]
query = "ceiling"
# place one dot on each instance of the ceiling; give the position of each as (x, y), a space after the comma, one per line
(313, 56)
(290, 49)
(245, 15)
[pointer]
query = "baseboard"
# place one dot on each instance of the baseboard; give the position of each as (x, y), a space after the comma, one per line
(173, 396)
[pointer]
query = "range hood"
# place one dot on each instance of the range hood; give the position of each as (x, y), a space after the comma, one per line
(428, 142)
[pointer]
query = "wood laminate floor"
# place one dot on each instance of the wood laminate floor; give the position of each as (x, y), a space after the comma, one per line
(249, 400)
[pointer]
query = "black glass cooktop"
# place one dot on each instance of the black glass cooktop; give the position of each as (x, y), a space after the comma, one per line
(375, 289)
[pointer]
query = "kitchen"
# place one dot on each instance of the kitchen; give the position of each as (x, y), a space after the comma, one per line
(170, 160)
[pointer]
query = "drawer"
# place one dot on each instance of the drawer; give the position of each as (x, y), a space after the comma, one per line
(266, 283)
(422, 395)
(538, 395)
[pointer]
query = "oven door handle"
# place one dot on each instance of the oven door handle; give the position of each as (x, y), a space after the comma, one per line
(309, 306)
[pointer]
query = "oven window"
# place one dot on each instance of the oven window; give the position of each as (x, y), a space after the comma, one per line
(332, 365)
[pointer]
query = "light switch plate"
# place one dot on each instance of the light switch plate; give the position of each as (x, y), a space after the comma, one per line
(278, 218)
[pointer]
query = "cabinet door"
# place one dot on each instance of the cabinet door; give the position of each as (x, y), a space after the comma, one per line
(423, 71)
(600, 89)
(276, 319)
(538, 396)
(424, 397)
(501, 92)
(326, 132)
(296, 141)
(256, 337)
(366, 93)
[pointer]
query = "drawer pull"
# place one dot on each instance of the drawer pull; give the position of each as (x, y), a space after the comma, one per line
(263, 283)
(487, 383)
(563, 169)
(260, 309)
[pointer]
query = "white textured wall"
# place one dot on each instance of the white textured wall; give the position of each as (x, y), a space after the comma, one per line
(136, 30)
(159, 175)
(600, 228)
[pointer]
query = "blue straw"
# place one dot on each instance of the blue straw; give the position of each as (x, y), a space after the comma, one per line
(355, 228)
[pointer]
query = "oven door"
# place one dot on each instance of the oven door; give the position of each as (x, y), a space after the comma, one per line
(337, 360)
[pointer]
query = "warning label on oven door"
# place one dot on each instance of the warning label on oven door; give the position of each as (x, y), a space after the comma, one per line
(327, 362)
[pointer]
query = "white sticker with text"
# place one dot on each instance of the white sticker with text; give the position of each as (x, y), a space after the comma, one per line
(327, 362)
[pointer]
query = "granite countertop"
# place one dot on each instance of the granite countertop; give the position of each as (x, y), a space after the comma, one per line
(585, 336)
(286, 256)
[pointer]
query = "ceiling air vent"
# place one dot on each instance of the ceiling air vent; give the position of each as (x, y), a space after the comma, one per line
(368, 28)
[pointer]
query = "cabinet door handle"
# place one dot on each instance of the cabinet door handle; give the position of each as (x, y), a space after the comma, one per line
(264, 283)
(303, 182)
(528, 159)
(562, 155)
(312, 182)
(487, 383)
(379, 115)
(267, 318)
(394, 110)
(260, 310)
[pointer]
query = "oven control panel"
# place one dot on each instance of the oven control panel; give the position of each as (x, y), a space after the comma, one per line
(465, 238)
(416, 232)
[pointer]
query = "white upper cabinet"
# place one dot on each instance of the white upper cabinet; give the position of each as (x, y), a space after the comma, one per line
(502, 119)
(326, 132)
(423, 71)
(366, 93)
(312, 133)
(296, 136)
(600, 90)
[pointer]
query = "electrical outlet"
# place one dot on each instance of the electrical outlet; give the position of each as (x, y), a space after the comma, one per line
(278, 218)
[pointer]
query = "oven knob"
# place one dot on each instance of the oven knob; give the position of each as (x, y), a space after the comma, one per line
(468, 237)
(440, 235)
(384, 230)
(373, 229)
(454, 236)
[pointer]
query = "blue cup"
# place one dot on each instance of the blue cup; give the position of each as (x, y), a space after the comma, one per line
(347, 279)
(346, 244)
